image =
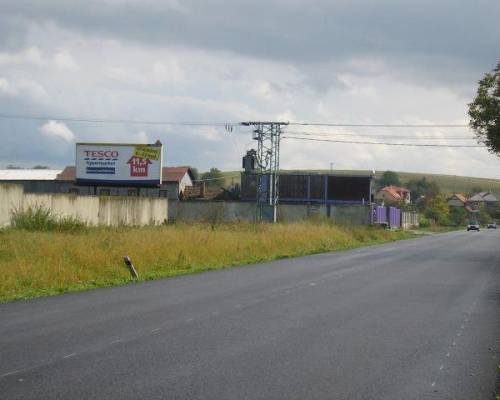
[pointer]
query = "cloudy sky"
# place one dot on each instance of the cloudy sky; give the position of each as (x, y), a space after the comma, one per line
(338, 61)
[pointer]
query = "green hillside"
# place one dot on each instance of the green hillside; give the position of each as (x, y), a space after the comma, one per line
(447, 183)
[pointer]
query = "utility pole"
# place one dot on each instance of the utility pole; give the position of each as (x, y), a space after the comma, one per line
(267, 135)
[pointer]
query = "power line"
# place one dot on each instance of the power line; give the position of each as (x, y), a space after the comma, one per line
(377, 136)
(383, 143)
(380, 125)
(223, 124)
(115, 121)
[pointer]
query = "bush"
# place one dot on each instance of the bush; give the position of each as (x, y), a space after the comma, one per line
(483, 216)
(424, 222)
(458, 216)
(38, 218)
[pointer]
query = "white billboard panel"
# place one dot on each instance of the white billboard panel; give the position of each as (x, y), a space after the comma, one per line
(118, 164)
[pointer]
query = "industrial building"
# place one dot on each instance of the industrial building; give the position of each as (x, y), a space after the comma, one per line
(311, 188)
(33, 180)
(175, 180)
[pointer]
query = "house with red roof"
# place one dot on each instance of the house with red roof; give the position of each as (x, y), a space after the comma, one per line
(393, 194)
(457, 200)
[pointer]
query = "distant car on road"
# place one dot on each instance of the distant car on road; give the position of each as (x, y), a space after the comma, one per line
(492, 225)
(473, 226)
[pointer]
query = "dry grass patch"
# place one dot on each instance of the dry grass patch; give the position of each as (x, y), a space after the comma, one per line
(43, 263)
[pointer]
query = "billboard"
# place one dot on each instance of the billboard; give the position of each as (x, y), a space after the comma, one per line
(118, 164)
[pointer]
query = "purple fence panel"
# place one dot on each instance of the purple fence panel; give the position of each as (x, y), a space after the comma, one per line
(379, 215)
(394, 217)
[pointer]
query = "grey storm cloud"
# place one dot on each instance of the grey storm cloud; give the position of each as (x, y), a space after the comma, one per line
(301, 31)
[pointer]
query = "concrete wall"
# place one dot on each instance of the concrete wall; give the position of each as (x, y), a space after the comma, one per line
(300, 212)
(214, 211)
(93, 210)
(351, 215)
(10, 199)
(409, 219)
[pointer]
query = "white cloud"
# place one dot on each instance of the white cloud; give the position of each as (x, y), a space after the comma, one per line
(24, 88)
(6, 87)
(31, 56)
(57, 130)
(167, 72)
(142, 137)
(64, 60)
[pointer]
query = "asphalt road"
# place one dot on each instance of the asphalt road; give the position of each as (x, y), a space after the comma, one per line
(415, 319)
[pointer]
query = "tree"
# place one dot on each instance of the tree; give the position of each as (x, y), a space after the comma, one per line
(41, 167)
(10, 166)
(458, 216)
(213, 177)
(423, 188)
(389, 178)
(437, 210)
(484, 111)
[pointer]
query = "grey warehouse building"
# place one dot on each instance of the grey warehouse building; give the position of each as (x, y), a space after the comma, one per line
(175, 180)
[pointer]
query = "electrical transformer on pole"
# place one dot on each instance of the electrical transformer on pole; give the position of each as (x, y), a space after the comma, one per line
(268, 136)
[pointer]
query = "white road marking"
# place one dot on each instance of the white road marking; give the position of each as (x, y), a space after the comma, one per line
(312, 284)
(116, 341)
(69, 355)
(10, 373)
(156, 330)
(189, 319)
(448, 354)
(441, 367)
(462, 327)
(454, 343)
(433, 384)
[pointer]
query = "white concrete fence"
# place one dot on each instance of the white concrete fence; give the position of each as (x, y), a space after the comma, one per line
(94, 210)
(409, 219)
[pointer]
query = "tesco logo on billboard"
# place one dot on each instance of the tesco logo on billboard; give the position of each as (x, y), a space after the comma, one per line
(101, 153)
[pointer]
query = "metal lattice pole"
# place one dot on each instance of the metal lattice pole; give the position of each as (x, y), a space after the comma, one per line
(268, 136)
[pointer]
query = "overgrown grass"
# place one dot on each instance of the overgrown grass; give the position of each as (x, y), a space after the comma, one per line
(38, 218)
(37, 263)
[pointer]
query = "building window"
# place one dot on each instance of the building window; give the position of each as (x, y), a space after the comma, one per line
(74, 191)
(104, 192)
(133, 192)
(163, 193)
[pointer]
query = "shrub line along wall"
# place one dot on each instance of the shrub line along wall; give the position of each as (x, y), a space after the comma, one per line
(93, 210)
